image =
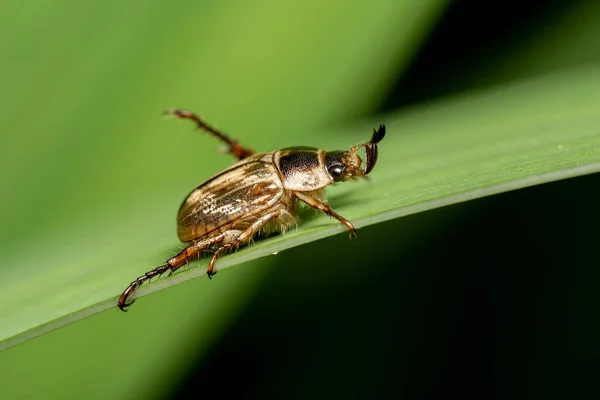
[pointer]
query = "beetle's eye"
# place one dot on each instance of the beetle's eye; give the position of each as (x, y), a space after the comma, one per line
(336, 170)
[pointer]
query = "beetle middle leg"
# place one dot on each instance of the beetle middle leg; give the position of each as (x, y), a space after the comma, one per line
(316, 202)
(191, 252)
(243, 237)
(234, 147)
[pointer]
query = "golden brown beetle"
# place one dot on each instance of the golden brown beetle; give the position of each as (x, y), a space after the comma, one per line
(256, 194)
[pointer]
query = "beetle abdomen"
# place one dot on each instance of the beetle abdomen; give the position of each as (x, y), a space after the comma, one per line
(302, 168)
(248, 187)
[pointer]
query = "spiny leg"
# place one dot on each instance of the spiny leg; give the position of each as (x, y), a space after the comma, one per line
(243, 237)
(191, 252)
(234, 147)
(122, 303)
(320, 205)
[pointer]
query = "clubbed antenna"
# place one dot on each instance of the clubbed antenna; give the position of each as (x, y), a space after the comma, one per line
(371, 148)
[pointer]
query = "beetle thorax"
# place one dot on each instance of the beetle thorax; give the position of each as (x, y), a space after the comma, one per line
(302, 168)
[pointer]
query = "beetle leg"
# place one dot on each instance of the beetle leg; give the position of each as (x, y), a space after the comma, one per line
(244, 236)
(317, 203)
(122, 303)
(191, 252)
(234, 147)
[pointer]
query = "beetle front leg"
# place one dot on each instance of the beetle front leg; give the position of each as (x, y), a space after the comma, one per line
(191, 252)
(317, 203)
(234, 147)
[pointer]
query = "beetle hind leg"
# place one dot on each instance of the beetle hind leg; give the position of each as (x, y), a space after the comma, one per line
(234, 147)
(191, 252)
(223, 242)
(123, 303)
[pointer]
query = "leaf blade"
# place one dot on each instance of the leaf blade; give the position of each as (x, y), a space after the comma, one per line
(493, 149)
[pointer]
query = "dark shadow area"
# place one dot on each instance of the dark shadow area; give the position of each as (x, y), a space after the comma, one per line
(469, 32)
(493, 298)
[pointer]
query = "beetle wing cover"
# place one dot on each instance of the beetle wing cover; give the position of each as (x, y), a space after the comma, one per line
(230, 199)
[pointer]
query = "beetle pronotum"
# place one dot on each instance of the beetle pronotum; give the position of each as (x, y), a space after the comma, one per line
(258, 193)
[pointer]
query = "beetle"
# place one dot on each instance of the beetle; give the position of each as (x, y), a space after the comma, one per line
(256, 194)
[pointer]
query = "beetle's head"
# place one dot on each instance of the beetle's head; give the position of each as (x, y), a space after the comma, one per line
(345, 165)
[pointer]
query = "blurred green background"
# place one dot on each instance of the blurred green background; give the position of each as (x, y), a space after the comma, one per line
(494, 298)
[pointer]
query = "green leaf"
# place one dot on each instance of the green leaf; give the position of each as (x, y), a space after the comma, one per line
(439, 154)
(93, 177)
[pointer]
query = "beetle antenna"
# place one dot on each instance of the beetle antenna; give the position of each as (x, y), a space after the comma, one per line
(371, 148)
(378, 134)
